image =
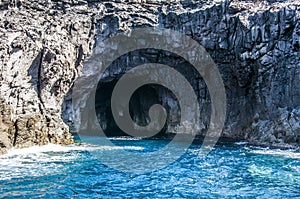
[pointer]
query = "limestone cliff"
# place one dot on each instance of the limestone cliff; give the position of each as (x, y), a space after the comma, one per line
(255, 44)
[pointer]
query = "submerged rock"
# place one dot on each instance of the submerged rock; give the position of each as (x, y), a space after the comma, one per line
(255, 44)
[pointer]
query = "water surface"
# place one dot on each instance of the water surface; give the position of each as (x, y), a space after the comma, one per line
(232, 170)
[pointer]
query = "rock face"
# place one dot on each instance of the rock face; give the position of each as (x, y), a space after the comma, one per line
(41, 49)
(255, 44)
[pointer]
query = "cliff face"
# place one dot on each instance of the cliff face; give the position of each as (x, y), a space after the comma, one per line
(256, 46)
(41, 49)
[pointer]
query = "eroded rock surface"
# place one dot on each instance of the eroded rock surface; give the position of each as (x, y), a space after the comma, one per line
(255, 44)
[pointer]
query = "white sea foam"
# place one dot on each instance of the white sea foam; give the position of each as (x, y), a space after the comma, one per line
(47, 159)
(241, 143)
(125, 138)
(284, 153)
(275, 175)
(59, 148)
(43, 149)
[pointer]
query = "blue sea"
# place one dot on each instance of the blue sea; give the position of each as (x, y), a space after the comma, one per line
(231, 170)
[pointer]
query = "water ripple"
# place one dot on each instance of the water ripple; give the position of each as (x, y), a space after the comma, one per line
(229, 171)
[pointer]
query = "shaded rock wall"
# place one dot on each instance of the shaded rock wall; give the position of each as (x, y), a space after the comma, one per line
(256, 48)
(255, 44)
(257, 51)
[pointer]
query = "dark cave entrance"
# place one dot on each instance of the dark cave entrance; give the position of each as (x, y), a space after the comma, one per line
(143, 98)
(139, 105)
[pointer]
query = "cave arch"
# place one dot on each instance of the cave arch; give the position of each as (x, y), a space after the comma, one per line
(147, 95)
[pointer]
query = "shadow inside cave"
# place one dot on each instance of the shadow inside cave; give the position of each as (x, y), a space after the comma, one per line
(141, 101)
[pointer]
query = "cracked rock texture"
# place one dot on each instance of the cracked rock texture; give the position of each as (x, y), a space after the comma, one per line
(255, 44)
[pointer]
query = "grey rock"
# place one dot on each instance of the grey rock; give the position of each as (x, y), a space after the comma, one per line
(255, 44)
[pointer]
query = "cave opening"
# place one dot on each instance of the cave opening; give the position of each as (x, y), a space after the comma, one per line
(140, 102)
(143, 98)
(146, 96)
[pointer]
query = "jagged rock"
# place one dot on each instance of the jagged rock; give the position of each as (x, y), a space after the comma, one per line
(255, 44)
(40, 58)
(7, 127)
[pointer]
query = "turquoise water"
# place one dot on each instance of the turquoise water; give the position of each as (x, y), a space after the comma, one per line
(232, 170)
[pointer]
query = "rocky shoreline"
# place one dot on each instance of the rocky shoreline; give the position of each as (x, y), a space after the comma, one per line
(44, 47)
